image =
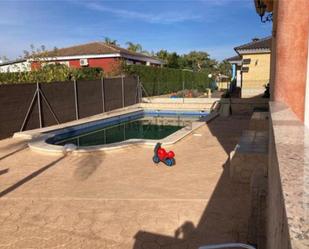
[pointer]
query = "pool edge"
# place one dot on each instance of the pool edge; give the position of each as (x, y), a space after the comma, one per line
(38, 142)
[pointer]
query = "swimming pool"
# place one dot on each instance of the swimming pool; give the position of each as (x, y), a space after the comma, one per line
(137, 129)
(117, 130)
(148, 125)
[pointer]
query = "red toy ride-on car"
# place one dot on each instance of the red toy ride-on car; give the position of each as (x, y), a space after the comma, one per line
(160, 155)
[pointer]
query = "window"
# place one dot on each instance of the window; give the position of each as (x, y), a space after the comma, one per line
(245, 69)
(246, 61)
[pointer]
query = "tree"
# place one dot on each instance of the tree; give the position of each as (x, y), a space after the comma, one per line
(225, 68)
(173, 60)
(198, 61)
(163, 55)
(134, 47)
(108, 40)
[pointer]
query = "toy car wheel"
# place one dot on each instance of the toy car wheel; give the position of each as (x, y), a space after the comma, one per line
(155, 159)
(169, 162)
(174, 161)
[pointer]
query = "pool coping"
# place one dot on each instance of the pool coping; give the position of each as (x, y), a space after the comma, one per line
(38, 137)
(31, 134)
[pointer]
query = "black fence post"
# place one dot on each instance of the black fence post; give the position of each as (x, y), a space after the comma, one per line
(139, 90)
(122, 90)
(29, 110)
(39, 103)
(76, 99)
(103, 94)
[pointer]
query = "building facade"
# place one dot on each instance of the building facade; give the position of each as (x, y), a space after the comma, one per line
(96, 54)
(287, 214)
(16, 66)
(251, 67)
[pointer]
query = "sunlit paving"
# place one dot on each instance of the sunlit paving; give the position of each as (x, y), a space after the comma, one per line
(154, 124)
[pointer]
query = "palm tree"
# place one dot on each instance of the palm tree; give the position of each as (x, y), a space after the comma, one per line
(134, 47)
(108, 40)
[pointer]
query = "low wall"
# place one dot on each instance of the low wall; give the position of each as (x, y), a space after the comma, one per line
(238, 106)
(288, 178)
(179, 103)
(246, 106)
(251, 92)
(180, 100)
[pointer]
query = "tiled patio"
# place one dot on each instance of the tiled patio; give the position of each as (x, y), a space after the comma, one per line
(120, 199)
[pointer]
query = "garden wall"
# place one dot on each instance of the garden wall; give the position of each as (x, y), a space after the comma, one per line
(58, 101)
(288, 202)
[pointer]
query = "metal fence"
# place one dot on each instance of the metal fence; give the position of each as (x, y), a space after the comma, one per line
(216, 88)
(187, 89)
(30, 106)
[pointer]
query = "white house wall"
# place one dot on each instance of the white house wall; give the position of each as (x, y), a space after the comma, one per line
(238, 78)
(16, 67)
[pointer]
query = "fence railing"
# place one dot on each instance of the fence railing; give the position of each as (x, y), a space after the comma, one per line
(186, 89)
(29, 106)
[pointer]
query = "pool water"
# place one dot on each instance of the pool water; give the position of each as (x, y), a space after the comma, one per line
(147, 125)
(145, 128)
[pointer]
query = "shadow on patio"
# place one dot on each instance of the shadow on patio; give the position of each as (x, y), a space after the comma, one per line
(29, 177)
(226, 215)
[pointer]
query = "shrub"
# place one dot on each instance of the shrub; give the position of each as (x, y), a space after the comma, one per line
(51, 73)
(87, 73)
(266, 93)
(159, 81)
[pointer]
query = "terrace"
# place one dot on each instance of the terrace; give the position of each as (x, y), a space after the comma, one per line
(120, 199)
(240, 177)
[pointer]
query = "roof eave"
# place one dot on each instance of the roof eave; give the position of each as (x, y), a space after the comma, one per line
(107, 55)
(142, 58)
(253, 51)
(12, 62)
(238, 62)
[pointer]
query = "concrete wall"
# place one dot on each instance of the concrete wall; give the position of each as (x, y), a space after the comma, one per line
(290, 32)
(238, 106)
(277, 226)
(179, 103)
(247, 106)
(288, 202)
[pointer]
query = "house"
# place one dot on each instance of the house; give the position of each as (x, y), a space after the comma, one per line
(223, 82)
(251, 67)
(287, 219)
(20, 65)
(236, 62)
(95, 54)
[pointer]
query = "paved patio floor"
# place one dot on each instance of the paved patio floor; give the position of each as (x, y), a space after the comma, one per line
(121, 199)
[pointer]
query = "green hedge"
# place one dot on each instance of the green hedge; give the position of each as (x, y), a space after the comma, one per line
(51, 73)
(159, 81)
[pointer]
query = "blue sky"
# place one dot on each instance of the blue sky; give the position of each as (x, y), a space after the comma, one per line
(214, 26)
